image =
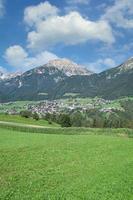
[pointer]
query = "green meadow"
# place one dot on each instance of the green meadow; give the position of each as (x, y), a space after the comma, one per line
(70, 164)
(26, 121)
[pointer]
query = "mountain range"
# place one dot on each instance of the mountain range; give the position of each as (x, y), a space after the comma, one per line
(60, 78)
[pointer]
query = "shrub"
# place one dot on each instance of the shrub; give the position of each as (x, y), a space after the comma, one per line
(25, 113)
(35, 116)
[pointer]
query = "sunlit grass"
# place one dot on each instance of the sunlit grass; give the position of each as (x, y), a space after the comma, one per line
(71, 167)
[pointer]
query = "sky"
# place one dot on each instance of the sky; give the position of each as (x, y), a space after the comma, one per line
(97, 34)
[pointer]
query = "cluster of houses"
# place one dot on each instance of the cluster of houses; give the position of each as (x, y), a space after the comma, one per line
(44, 107)
(57, 106)
(54, 107)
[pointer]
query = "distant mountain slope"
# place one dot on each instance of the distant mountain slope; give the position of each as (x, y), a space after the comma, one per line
(110, 84)
(59, 77)
(81, 85)
(35, 84)
(117, 82)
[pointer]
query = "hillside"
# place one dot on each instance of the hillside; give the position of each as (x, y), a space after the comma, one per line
(110, 84)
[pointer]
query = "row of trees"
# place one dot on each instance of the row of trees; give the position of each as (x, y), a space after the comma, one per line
(97, 120)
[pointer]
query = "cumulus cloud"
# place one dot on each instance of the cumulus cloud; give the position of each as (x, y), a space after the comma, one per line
(120, 13)
(34, 14)
(101, 65)
(3, 70)
(17, 57)
(1, 8)
(69, 29)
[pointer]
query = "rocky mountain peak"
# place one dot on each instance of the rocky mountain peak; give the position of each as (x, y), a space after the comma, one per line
(127, 65)
(68, 67)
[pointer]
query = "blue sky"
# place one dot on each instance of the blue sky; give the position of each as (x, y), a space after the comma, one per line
(93, 33)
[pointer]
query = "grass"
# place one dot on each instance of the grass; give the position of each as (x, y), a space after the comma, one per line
(19, 119)
(17, 105)
(65, 167)
(124, 132)
(71, 95)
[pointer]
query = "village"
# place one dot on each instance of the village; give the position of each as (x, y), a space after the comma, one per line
(57, 106)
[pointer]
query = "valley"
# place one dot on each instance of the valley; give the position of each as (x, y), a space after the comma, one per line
(82, 112)
(62, 105)
(66, 100)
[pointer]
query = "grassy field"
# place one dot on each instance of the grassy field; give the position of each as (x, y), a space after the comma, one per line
(18, 105)
(19, 119)
(65, 167)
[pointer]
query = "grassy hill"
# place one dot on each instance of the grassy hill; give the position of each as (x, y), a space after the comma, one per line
(26, 121)
(91, 167)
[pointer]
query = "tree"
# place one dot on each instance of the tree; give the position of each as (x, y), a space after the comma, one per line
(77, 119)
(94, 123)
(47, 117)
(50, 122)
(26, 114)
(65, 120)
(87, 122)
(35, 116)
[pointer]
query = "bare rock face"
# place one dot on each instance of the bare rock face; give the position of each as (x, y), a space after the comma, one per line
(68, 67)
(128, 65)
(6, 76)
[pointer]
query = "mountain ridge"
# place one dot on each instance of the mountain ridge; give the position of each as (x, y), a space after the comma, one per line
(52, 81)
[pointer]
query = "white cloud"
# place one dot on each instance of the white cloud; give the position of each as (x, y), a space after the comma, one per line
(121, 13)
(3, 70)
(40, 59)
(85, 2)
(17, 57)
(101, 65)
(34, 14)
(109, 62)
(1, 8)
(69, 29)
